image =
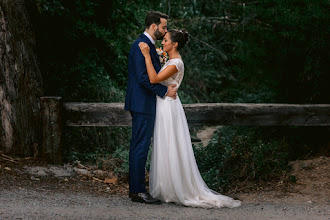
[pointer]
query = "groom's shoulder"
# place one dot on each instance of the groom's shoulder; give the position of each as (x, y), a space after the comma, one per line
(141, 38)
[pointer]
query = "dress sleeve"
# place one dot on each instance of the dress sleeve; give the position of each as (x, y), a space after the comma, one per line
(178, 64)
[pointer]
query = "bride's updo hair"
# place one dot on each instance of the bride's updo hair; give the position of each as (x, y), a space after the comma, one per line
(180, 36)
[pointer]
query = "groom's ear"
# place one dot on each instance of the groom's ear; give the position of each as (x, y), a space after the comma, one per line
(153, 27)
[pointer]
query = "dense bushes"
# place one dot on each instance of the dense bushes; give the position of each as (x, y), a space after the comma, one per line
(265, 51)
(240, 154)
(83, 47)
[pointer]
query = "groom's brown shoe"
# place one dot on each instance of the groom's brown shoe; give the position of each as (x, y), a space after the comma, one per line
(144, 197)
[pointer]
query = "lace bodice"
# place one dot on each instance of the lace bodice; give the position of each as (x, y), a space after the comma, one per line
(177, 77)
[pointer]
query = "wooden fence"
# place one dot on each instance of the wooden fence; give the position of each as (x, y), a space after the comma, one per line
(56, 114)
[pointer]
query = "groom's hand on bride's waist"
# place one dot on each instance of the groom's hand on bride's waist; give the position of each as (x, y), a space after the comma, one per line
(171, 91)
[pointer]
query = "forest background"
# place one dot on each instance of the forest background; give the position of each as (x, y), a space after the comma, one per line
(266, 51)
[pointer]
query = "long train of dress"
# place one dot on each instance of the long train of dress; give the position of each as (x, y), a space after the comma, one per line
(174, 175)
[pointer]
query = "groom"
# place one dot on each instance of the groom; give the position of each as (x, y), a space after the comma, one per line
(141, 102)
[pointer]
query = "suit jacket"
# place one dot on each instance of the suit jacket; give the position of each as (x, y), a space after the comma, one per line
(140, 93)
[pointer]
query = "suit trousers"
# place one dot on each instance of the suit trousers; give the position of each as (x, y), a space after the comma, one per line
(142, 130)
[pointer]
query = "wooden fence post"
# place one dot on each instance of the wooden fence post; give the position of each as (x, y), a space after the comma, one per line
(51, 150)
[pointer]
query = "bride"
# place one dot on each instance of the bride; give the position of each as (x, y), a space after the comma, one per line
(174, 175)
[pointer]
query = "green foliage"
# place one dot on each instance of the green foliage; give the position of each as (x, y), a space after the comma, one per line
(265, 51)
(89, 144)
(240, 154)
(122, 168)
(293, 36)
(83, 47)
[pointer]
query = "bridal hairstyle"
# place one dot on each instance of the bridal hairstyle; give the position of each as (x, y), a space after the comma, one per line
(180, 36)
(153, 17)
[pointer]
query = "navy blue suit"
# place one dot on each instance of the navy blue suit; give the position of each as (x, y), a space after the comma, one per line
(140, 100)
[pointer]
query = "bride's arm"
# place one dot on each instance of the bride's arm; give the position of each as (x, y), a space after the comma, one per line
(153, 76)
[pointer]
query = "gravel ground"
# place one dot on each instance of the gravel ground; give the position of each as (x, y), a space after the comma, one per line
(29, 204)
(32, 190)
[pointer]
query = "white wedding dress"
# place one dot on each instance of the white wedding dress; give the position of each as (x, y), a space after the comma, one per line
(174, 175)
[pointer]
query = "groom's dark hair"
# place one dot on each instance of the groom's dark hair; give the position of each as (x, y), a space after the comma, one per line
(153, 17)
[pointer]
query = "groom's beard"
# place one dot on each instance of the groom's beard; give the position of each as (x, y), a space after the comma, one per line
(159, 35)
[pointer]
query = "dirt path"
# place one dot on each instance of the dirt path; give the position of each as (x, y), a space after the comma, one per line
(39, 195)
(206, 134)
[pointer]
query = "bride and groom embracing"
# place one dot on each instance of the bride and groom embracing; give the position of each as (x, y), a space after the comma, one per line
(152, 100)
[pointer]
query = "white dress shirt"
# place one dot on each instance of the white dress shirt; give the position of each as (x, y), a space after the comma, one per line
(150, 38)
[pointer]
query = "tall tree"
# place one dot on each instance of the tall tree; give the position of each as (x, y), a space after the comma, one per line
(20, 81)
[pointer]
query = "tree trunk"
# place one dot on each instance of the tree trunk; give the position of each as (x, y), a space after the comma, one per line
(20, 82)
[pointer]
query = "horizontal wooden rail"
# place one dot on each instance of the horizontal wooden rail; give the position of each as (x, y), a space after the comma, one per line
(54, 113)
(113, 114)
